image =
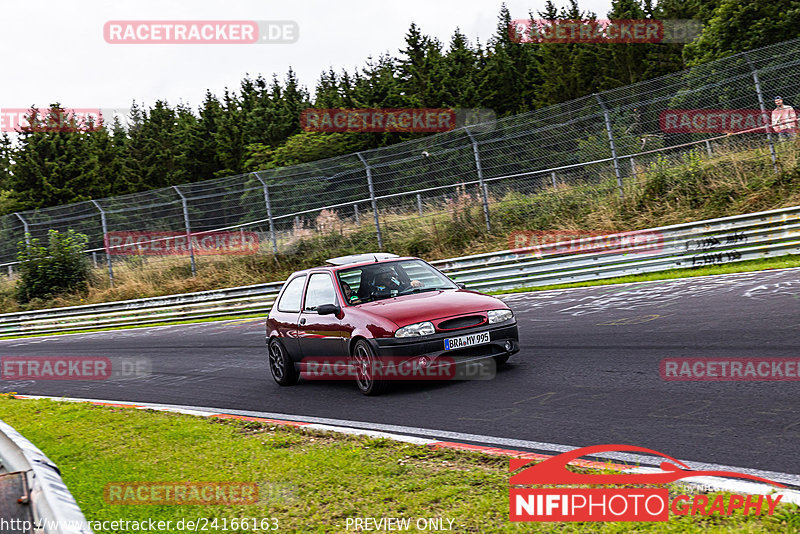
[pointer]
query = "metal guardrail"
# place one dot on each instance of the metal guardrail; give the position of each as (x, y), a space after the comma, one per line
(45, 500)
(710, 242)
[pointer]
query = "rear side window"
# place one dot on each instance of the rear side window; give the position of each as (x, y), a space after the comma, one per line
(290, 299)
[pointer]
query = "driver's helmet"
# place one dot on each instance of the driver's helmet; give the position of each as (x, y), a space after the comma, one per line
(385, 277)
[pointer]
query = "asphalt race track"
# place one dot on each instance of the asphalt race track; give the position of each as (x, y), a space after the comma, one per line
(588, 372)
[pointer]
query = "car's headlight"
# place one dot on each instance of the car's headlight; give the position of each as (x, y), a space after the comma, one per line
(417, 329)
(498, 316)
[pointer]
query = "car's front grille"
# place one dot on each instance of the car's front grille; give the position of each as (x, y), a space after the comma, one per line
(461, 322)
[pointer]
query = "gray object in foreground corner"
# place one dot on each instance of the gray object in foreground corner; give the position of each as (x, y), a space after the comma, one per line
(32, 492)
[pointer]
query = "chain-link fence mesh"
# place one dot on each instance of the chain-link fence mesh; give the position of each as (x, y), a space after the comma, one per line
(484, 177)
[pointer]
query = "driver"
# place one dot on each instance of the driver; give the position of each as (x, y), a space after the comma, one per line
(386, 280)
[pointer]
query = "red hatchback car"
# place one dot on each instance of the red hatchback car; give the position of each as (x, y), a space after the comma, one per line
(369, 309)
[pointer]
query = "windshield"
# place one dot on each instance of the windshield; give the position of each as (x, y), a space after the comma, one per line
(367, 283)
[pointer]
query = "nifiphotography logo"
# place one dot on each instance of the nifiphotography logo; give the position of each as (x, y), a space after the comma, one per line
(619, 503)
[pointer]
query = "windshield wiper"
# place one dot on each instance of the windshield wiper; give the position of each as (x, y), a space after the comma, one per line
(411, 290)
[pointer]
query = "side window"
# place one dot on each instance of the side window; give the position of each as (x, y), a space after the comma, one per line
(350, 282)
(290, 299)
(320, 291)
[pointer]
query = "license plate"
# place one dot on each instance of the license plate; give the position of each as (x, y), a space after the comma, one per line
(453, 343)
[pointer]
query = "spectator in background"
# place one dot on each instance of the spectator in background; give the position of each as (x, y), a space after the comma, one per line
(784, 120)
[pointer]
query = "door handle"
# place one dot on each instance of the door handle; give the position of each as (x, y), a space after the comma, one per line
(303, 321)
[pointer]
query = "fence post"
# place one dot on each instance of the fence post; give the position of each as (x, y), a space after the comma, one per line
(613, 145)
(104, 224)
(24, 229)
(481, 183)
(373, 200)
(188, 228)
(763, 111)
(269, 214)
(633, 170)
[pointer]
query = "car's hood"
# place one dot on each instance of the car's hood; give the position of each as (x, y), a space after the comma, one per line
(414, 308)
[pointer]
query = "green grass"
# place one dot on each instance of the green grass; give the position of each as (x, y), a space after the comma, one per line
(314, 480)
(782, 262)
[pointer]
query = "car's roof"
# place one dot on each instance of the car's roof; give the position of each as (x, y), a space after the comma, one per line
(335, 268)
(360, 258)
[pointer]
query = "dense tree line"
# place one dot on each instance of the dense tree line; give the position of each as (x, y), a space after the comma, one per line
(257, 125)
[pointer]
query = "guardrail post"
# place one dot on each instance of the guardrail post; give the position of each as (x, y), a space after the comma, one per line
(355, 213)
(612, 144)
(419, 204)
(269, 214)
(708, 148)
(553, 178)
(104, 224)
(10, 272)
(24, 229)
(373, 200)
(188, 227)
(481, 183)
(763, 107)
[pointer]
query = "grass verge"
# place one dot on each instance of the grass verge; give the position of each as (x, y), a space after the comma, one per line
(315, 480)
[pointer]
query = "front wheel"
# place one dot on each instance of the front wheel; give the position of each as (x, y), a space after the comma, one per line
(501, 359)
(281, 366)
(364, 362)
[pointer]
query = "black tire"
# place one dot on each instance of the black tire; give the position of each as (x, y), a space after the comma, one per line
(364, 358)
(280, 365)
(502, 359)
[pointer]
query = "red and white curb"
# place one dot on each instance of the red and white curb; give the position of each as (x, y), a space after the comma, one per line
(702, 483)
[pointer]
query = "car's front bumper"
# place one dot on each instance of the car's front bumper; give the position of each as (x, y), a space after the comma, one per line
(504, 339)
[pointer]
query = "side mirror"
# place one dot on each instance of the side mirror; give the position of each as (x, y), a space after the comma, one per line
(461, 285)
(328, 309)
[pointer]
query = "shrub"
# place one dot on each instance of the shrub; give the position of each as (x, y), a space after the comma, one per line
(60, 266)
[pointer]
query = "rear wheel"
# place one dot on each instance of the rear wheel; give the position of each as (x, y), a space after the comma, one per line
(280, 365)
(364, 362)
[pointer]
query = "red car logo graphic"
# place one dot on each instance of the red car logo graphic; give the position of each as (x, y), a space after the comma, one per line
(554, 470)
